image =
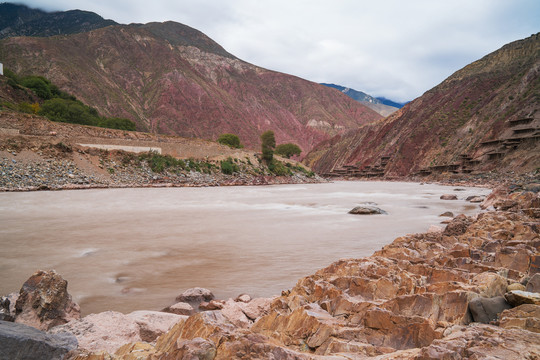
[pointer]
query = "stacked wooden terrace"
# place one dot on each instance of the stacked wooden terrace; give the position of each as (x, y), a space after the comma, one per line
(357, 171)
(518, 131)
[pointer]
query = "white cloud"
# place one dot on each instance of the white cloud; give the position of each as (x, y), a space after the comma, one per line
(392, 48)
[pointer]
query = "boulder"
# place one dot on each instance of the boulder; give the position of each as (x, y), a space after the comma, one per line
(195, 296)
(106, 331)
(197, 348)
(181, 308)
(533, 285)
(526, 316)
(232, 310)
(211, 305)
(5, 312)
(490, 284)
(515, 286)
(367, 210)
(19, 341)
(458, 226)
(448, 197)
(447, 214)
(154, 323)
(476, 199)
(44, 301)
(485, 310)
(518, 297)
(243, 298)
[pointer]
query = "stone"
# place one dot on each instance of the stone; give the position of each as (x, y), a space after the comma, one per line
(458, 226)
(19, 341)
(476, 199)
(197, 348)
(515, 286)
(448, 197)
(435, 229)
(526, 316)
(367, 210)
(243, 298)
(154, 323)
(518, 297)
(211, 305)
(195, 296)
(181, 308)
(44, 302)
(257, 307)
(106, 331)
(489, 284)
(447, 214)
(5, 312)
(533, 285)
(232, 310)
(485, 310)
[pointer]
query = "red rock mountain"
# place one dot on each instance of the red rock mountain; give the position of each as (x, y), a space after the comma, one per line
(172, 79)
(484, 117)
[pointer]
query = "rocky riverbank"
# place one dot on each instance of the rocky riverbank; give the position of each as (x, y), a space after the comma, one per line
(470, 290)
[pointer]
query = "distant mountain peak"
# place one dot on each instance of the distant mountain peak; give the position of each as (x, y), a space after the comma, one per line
(21, 20)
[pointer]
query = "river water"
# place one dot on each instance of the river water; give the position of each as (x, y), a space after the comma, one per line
(130, 249)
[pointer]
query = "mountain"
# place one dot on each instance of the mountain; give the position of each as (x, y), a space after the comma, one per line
(389, 102)
(484, 117)
(368, 100)
(20, 20)
(172, 79)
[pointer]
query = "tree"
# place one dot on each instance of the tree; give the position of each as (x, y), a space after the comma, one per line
(230, 140)
(287, 150)
(268, 144)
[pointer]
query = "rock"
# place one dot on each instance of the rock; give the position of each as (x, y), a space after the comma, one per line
(195, 296)
(257, 307)
(533, 187)
(106, 331)
(477, 199)
(232, 310)
(197, 348)
(448, 197)
(154, 323)
(533, 285)
(5, 312)
(515, 286)
(44, 301)
(485, 310)
(526, 316)
(458, 226)
(517, 297)
(180, 308)
(447, 214)
(19, 341)
(489, 284)
(243, 298)
(211, 305)
(367, 210)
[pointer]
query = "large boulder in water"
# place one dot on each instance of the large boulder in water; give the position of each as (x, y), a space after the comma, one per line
(44, 301)
(195, 296)
(367, 210)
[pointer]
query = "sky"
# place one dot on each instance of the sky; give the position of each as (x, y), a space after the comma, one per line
(392, 48)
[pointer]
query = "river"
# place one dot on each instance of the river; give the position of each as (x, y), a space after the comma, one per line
(130, 249)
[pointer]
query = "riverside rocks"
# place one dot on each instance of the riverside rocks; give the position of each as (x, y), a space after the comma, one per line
(44, 302)
(367, 210)
(413, 299)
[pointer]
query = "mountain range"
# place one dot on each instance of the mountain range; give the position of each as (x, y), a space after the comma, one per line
(172, 79)
(484, 117)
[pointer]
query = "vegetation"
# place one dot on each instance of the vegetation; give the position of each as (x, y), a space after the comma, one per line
(277, 168)
(228, 166)
(58, 105)
(231, 140)
(287, 150)
(268, 144)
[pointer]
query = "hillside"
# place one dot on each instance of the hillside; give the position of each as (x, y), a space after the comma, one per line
(20, 20)
(484, 117)
(172, 79)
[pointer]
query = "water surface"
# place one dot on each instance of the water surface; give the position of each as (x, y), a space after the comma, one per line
(129, 249)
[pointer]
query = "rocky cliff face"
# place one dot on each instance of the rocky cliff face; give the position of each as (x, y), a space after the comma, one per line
(483, 117)
(172, 79)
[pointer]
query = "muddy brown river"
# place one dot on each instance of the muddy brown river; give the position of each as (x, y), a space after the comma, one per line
(130, 249)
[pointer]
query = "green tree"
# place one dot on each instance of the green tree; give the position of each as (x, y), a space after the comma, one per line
(117, 123)
(268, 144)
(40, 85)
(287, 150)
(230, 140)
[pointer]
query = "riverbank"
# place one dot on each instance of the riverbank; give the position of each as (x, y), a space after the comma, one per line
(470, 290)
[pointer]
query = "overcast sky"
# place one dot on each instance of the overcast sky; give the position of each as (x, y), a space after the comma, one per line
(393, 48)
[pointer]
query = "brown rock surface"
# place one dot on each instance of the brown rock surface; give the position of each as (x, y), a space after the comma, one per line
(44, 302)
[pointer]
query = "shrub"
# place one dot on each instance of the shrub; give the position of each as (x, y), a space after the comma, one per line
(268, 144)
(228, 166)
(40, 86)
(231, 140)
(287, 150)
(277, 168)
(117, 123)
